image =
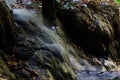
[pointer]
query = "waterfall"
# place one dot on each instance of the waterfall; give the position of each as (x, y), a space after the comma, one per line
(49, 52)
(52, 45)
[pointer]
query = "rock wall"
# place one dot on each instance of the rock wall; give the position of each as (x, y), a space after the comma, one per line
(6, 28)
(94, 28)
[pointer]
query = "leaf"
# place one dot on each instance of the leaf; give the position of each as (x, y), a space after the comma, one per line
(58, 1)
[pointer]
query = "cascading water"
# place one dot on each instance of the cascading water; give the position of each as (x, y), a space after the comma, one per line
(51, 55)
(44, 38)
(46, 42)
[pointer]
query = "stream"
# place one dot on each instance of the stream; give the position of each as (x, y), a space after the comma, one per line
(107, 75)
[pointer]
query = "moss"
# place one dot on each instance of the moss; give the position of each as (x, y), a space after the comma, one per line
(4, 69)
(46, 75)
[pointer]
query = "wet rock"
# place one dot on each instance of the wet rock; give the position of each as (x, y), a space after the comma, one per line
(23, 74)
(45, 59)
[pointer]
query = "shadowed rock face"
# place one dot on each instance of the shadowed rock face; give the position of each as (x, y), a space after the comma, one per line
(91, 28)
(6, 28)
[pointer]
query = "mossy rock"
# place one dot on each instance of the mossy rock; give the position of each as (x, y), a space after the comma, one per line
(88, 28)
(4, 69)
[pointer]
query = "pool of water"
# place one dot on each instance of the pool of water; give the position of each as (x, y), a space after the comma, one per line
(93, 75)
